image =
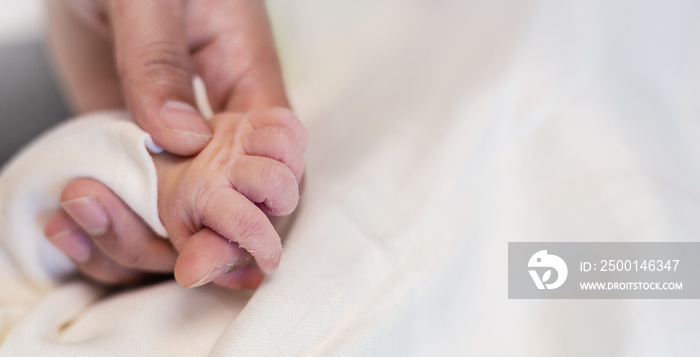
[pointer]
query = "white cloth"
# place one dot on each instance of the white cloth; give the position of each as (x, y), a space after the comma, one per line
(439, 132)
(107, 147)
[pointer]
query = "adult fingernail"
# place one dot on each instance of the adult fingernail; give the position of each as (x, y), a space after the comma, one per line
(88, 213)
(214, 273)
(218, 271)
(185, 119)
(74, 244)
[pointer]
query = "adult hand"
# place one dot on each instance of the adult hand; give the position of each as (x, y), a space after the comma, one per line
(143, 55)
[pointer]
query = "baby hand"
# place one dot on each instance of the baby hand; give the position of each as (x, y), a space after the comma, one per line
(214, 205)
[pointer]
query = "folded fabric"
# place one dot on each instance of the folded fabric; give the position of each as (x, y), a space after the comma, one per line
(105, 146)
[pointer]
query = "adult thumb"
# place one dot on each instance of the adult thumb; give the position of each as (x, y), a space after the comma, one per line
(156, 73)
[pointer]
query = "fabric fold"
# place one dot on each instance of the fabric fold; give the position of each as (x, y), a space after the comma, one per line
(105, 146)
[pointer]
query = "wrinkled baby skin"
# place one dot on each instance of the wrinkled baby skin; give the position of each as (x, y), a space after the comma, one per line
(214, 205)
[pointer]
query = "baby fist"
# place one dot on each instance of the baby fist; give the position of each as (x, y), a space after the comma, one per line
(214, 205)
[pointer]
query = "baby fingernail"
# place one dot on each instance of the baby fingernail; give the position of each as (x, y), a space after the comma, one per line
(184, 118)
(213, 274)
(272, 262)
(74, 244)
(89, 214)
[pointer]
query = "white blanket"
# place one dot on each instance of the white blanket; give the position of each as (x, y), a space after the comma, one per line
(439, 132)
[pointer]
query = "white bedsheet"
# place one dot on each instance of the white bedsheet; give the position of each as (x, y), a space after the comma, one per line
(439, 132)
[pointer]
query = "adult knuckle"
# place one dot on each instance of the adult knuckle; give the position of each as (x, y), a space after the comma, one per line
(164, 55)
(158, 59)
